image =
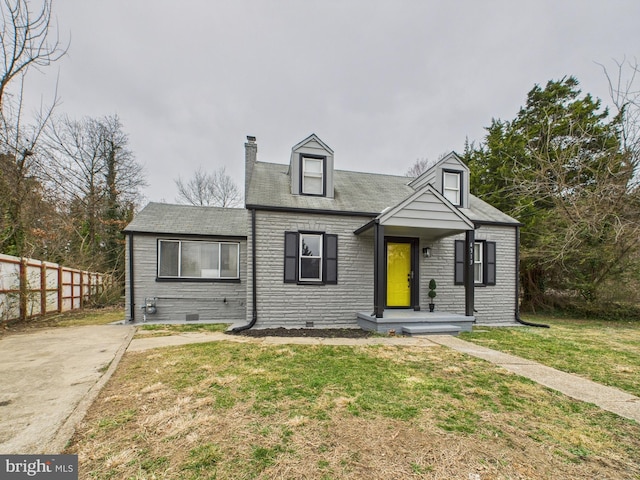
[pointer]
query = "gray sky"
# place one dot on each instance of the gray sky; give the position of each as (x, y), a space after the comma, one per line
(383, 83)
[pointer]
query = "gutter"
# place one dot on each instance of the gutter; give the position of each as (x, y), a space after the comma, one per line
(366, 226)
(517, 316)
(317, 211)
(254, 279)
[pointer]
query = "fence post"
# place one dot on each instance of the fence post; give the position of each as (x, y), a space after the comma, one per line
(60, 276)
(43, 288)
(23, 288)
(81, 290)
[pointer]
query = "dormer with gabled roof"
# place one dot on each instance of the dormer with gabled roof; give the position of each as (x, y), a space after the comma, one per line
(311, 168)
(450, 177)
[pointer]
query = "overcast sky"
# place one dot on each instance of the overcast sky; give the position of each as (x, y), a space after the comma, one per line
(383, 83)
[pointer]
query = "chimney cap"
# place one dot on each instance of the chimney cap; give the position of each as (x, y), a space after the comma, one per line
(251, 138)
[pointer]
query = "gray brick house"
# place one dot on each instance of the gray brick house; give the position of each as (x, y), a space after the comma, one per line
(319, 247)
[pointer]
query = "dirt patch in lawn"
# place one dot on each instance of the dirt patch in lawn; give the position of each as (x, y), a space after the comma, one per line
(307, 332)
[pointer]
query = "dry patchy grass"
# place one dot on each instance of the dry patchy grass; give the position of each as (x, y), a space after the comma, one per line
(241, 411)
(78, 318)
(166, 329)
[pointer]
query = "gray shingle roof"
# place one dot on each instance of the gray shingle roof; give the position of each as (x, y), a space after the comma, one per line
(481, 211)
(190, 220)
(355, 192)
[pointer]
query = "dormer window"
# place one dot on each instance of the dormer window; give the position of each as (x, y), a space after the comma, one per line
(452, 186)
(312, 173)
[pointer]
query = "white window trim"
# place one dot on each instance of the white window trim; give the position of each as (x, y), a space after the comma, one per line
(180, 276)
(320, 236)
(306, 174)
(478, 247)
(457, 190)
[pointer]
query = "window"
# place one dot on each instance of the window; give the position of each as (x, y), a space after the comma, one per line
(484, 262)
(199, 260)
(310, 257)
(313, 175)
(451, 189)
(477, 262)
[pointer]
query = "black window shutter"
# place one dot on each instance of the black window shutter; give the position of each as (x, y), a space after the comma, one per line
(490, 263)
(290, 257)
(458, 277)
(330, 259)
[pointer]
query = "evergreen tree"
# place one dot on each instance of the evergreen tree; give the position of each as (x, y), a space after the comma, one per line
(560, 169)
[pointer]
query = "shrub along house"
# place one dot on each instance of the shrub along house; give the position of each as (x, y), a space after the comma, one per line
(318, 247)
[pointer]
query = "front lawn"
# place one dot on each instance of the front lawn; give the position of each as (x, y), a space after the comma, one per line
(244, 410)
(606, 352)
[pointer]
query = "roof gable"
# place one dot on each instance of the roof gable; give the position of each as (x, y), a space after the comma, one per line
(426, 208)
(312, 141)
(449, 161)
(435, 175)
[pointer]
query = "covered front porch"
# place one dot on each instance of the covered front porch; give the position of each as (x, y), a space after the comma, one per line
(411, 322)
(423, 219)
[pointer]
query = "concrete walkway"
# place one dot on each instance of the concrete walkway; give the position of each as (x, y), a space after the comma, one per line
(574, 386)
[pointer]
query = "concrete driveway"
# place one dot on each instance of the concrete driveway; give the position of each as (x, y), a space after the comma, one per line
(48, 378)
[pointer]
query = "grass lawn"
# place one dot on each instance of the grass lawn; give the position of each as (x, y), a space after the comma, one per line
(244, 410)
(606, 352)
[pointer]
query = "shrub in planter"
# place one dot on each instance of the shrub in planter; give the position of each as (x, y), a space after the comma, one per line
(432, 294)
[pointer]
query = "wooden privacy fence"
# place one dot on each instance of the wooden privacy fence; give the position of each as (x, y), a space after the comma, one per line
(29, 287)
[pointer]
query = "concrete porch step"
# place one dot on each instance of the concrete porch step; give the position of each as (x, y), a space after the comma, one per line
(441, 329)
(412, 322)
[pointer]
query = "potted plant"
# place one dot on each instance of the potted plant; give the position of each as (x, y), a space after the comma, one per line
(432, 294)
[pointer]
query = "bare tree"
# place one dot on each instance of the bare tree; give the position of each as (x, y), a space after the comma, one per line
(211, 190)
(421, 165)
(418, 168)
(25, 40)
(196, 191)
(624, 92)
(89, 163)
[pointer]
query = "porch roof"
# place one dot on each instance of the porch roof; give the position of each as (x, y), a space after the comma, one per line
(425, 210)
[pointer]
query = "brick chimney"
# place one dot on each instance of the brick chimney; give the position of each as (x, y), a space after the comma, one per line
(250, 156)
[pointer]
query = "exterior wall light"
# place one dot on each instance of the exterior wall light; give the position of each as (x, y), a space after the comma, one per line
(426, 252)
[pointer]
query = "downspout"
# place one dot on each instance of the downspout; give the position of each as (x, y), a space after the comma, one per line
(132, 307)
(378, 270)
(518, 319)
(254, 296)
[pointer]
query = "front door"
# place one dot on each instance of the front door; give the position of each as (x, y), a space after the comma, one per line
(399, 274)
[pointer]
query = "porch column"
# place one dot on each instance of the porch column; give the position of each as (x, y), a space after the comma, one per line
(378, 270)
(468, 273)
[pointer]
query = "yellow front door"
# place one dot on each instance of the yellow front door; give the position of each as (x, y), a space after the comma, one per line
(398, 274)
